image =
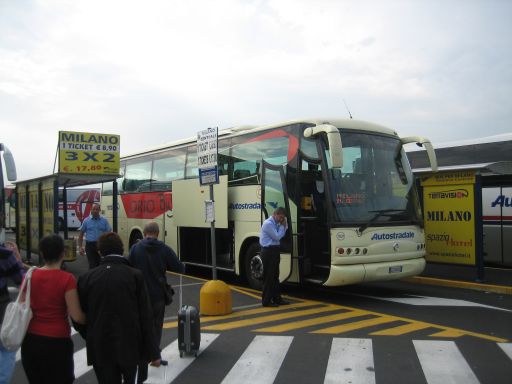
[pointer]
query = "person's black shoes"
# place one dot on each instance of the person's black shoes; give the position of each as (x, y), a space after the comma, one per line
(282, 302)
(270, 305)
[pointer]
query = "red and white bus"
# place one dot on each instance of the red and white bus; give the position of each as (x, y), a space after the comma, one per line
(347, 187)
(79, 201)
(79, 204)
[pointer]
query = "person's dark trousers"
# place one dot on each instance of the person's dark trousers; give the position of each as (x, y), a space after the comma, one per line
(271, 258)
(93, 257)
(158, 323)
(115, 374)
(47, 359)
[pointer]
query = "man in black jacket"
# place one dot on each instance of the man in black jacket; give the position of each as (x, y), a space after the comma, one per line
(119, 331)
(153, 257)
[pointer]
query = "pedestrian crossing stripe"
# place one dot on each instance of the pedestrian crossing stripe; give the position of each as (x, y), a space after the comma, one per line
(349, 360)
(260, 362)
(507, 348)
(177, 364)
(317, 314)
(442, 359)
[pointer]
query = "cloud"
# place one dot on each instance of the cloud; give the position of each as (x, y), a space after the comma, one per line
(158, 71)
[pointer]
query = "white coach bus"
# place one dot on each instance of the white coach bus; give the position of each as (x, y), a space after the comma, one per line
(347, 186)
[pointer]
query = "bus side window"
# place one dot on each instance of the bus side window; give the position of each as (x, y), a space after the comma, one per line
(167, 166)
(137, 173)
(191, 170)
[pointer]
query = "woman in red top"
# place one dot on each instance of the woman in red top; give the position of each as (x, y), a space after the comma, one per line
(47, 350)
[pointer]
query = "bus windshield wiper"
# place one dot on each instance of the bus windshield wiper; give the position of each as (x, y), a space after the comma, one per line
(382, 212)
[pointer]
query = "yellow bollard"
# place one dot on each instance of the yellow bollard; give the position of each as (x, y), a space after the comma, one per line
(215, 298)
(70, 248)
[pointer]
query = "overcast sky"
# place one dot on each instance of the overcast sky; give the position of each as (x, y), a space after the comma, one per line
(154, 71)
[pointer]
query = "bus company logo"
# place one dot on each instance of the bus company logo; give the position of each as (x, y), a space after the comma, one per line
(340, 236)
(502, 201)
(438, 237)
(451, 194)
(449, 216)
(245, 206)
(393, 236)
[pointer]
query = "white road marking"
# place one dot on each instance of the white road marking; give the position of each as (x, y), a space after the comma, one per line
(176, 364)
(507, 348)
(434, 301)
(350, 361)
(260, 362)
(443, 363)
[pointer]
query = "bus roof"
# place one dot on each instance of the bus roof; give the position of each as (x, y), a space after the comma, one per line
(244, 129)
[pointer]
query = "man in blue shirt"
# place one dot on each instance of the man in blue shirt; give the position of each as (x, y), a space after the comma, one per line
(93, 226)
(272, 231)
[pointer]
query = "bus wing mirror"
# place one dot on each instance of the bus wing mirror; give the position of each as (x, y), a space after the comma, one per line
(333, 139)
(10, 166)
(423, 142)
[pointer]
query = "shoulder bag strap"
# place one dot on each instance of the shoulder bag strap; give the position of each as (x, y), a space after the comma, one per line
(26, 283)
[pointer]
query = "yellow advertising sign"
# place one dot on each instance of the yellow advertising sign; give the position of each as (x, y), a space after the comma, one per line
(21, 206)
(446, 178)
(89, 153)
(450, 223)
(33, 193)
(48, 207)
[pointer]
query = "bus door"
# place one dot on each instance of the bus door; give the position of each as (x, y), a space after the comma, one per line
(313, 241)
(274, 195)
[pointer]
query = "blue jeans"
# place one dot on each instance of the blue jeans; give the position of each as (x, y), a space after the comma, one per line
(7, 362)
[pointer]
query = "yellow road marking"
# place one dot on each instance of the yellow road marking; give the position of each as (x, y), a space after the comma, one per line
(447, 332)
(311, 322)
(505, 290)
(402, 329)
(248, 312)
(269, 318)
(411, 326)
(357, 325)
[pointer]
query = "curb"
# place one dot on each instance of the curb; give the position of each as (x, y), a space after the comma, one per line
(502, 289)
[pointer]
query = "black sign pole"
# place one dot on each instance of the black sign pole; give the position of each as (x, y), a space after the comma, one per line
(479, 236)
(114, 205)
(212, 235)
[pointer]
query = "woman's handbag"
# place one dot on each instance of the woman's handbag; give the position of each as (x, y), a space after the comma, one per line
(17, 317)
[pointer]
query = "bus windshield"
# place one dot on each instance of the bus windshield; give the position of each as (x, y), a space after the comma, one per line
(375, 185)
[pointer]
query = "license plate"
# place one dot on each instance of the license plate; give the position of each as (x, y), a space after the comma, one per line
(395, 269)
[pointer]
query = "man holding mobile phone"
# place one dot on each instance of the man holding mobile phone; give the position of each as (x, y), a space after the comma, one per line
(272, 231)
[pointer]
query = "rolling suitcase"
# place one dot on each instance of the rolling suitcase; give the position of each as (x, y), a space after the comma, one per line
(189, 328)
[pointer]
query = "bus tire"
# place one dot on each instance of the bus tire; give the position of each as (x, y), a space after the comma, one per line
(135, 237)
(254, 267)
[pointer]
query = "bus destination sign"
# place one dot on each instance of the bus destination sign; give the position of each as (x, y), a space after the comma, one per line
(207, 156)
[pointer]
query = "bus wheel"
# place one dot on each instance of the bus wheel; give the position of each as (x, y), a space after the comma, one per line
(135, 237)
(254, 267)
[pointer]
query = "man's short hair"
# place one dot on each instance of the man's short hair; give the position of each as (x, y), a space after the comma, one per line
(109, 243)
(280, 211)
(152, 228)
(51, 248)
